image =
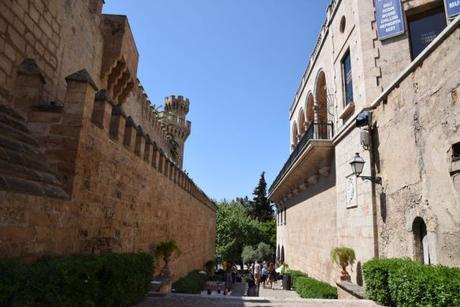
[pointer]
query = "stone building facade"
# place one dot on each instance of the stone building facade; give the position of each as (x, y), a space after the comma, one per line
(395, 102)
(87, 164)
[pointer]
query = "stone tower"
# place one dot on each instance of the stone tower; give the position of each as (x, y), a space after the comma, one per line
(177, 127)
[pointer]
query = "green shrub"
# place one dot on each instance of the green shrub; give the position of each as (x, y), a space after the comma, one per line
(12, 280)
(376, 273)
(308, 287)
(296, 274)
(107, 280)
(402, 282)
(193, 283)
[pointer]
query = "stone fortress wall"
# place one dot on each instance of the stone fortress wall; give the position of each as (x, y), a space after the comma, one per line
(85, 162)
(415, 131)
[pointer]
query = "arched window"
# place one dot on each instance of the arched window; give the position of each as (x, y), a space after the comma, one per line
(295, 134)
(421, 242)
(282, 254)
(310, 106)
(321, 100)
(278, 252)
(302, 122)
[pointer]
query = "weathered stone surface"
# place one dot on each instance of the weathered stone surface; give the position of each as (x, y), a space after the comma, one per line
(111, 199)
(29, 67)
(82, 76)
(414, 127)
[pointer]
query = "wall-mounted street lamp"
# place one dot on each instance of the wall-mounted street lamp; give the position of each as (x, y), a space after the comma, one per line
(357, 165)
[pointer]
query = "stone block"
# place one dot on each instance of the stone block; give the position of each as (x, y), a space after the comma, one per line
(18, 233)
(65, 131)
(17, 39)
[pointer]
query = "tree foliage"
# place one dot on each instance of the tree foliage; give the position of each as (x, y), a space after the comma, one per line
(249, 254)
(242, 222)
(260, 208)
(237, 229)
(263, 252)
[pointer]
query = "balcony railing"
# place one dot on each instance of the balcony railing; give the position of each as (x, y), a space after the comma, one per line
(315, 131)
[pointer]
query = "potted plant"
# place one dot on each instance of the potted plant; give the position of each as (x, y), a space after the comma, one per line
(166, 251)
(343, 256)
(286, 281)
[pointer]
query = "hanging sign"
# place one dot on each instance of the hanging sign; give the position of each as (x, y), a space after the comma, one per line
(390, 21)
(452, 8)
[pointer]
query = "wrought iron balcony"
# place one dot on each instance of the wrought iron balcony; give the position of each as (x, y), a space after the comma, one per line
(315, 131)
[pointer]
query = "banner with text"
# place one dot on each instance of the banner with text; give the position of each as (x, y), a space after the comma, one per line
(390, 21)
(452, 8)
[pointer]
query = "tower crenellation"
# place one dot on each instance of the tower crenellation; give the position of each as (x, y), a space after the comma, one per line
(173, 119)
(178, 105)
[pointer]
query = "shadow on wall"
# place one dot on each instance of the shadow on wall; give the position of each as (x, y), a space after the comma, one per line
(324, 184)
(359, 273)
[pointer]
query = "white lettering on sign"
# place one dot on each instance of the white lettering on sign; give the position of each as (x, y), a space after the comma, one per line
(389, 18)
(454, 4)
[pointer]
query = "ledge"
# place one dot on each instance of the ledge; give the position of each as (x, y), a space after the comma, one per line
(51, 106)
(347, 111)
(352, 289)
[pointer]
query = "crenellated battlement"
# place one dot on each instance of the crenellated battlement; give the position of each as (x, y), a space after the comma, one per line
(178, 105)
(122, 129)
(139, 106)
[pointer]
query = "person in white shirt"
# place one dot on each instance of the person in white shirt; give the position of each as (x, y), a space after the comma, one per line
(257, 271)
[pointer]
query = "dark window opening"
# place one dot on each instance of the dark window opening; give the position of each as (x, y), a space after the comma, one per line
(423, 29)
(421, 243)
(343, 23)
(456, 151)
(284, 216)
(347, 78)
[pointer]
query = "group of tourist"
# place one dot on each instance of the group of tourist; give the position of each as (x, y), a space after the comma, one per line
(264, 273)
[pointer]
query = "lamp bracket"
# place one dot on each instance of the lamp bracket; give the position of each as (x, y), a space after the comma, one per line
(376, 180)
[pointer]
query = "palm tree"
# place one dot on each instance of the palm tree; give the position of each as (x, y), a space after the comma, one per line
(343, 256)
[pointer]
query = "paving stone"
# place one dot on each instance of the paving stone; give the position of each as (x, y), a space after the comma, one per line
(267, 297)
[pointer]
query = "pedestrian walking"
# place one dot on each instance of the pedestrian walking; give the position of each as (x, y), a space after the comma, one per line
(271, 274)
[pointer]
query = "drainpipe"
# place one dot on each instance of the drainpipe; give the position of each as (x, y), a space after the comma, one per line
(375, 190)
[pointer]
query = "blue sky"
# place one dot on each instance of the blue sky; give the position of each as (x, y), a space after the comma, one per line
(240, 63)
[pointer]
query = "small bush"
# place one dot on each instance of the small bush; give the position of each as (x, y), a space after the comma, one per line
(107, 280)
(308, 287)
(193, 283)
(296, 274)
(376, 273)
(402, 282)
